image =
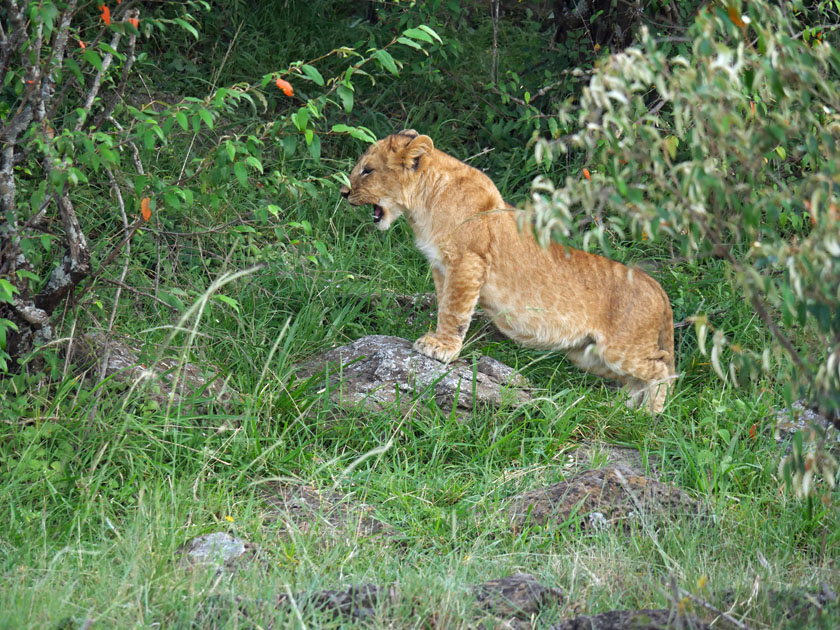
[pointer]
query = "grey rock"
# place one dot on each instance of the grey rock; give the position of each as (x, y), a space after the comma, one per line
(168, 378)
(616, 494)
(516, 597)
(308, 509)
(590, 454)
(656, 619)
(800, 416)
(357, 602)
(219, 550)
(381, 372)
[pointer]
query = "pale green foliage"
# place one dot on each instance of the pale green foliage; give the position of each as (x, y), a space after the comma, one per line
(731, 151)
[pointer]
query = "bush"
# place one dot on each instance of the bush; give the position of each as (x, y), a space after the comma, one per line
(78, 127)
(730, 151)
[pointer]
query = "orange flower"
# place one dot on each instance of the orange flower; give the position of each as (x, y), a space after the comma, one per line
(586, 173)
(145, 210)
(285, 87)
(736, 19)
(82, 45)
(134, 22)
(106, 14)
(753, 429)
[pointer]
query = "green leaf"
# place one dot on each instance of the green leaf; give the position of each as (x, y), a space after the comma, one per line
(363, 133)
(187, 27)
(781, 151)
(71, 64)
(387, 61)
(25, 274)
(231, 150)
(301, 118)
(621, 185)
(207, 117)
(315, 148)
(671, 144)
(431, 32)
(7, 290)
(312, 73)
(181, 118)
(241, 173)
(416, 33)
(93, 58)
(227, 300)
(254, 162)
(289, 145)
(346, 96)
(407, 42)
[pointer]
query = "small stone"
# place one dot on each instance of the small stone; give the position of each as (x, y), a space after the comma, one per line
(217, 549)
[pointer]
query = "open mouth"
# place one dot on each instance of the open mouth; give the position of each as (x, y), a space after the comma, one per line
(378, 213)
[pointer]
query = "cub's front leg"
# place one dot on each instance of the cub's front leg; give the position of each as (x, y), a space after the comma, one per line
(457, 294)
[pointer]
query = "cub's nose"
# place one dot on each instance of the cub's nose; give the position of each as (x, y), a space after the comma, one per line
(345, 191)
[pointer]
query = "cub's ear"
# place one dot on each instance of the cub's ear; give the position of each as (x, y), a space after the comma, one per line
(409, 132)
(414, 150)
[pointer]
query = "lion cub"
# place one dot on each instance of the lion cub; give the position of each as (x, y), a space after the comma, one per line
(608, 319)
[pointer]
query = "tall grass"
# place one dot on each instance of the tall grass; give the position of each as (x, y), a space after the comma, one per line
(101, 484)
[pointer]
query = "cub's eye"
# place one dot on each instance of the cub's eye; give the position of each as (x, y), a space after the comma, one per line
(366, 171)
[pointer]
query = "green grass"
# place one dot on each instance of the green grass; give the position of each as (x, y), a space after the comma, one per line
(96, 505)
(99, 486)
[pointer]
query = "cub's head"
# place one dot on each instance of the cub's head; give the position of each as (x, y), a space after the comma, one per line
(385, 175)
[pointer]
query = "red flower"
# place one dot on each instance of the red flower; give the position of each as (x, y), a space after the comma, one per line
(106, 14)
(285, 87)
(586, 173)
(134, 22)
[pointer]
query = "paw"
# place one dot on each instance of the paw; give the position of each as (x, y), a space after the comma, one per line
(444, 349)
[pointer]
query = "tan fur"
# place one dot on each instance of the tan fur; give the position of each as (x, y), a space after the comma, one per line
(610, 320)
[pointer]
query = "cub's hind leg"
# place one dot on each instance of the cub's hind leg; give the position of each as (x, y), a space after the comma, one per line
(646, 370)
(588, 358)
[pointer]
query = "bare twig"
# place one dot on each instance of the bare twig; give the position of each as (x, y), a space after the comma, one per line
(126, 69)
(97, 80)
(137, 291)
(107, 352)
(110, 258)
(494, 63)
